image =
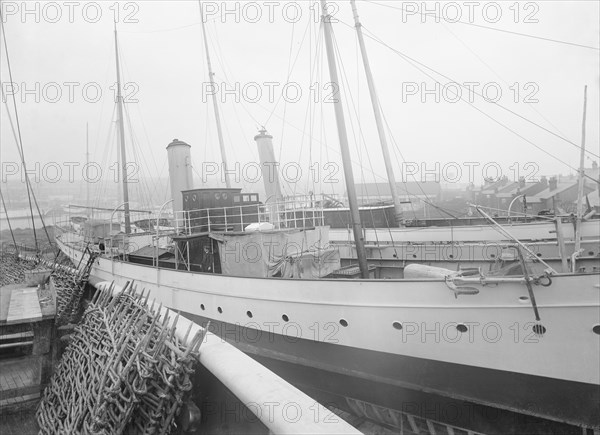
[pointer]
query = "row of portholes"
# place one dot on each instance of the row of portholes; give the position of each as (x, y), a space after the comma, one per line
(284, 317)
(460, 327)
(537, 328)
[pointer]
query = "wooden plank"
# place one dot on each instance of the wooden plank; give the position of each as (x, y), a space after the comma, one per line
(27, 406)
(16, 344)
(24, 306)
(21, 391)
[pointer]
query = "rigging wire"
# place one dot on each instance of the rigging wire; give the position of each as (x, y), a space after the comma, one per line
(228, 82)
(224, 68)
(136, 181)
(12, 235)
(532, 107)
(19, 142)
(290, 68)
(415, 64)
(438, 18)
(427, 200)
(315, 76)
(308, 119)
(413, 61)
(350, 102)
(139, 156)
(289, 72)
(157, 184)
(30, 192)
(101, 190)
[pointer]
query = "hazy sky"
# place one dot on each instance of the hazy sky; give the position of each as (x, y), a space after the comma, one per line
(261, 49)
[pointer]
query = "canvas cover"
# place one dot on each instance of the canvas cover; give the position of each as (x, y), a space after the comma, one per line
(302, 254)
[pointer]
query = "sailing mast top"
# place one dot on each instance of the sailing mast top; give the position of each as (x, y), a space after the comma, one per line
(343, 136)
(581, 177)
(377, 112)
(122, 139)
(214, 98)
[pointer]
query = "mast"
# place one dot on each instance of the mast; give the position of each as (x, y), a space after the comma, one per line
(581, 177)
(343, 137)
(214, 98)
(377, 112)
(122, 139)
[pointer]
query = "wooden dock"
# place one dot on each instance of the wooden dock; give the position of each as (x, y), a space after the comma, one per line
(27, 351)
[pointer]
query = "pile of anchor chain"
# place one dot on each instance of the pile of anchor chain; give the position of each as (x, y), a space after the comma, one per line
(69, 290)
(12, 269)
(124, 371)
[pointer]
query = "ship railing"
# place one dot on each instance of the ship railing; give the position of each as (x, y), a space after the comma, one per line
(284, 214)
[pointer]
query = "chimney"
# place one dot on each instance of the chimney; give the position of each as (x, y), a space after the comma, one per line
(522, 182)
(270, 171)
(180, 171)
(544, 181)
(553, 183)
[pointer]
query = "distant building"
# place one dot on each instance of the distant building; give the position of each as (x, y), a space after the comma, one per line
(427, 199)
(559, 196)
(554, 194)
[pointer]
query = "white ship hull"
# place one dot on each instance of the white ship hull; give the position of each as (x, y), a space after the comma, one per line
(404, 333)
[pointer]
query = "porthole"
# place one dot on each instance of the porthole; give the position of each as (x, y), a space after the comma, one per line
(461, 328)
(451, 256)
(220, 310)
(492, 255)
(591, 253)
(414, 255)
(249, 314)
(539, 254)
(539, 329)
(397, 325)
(523, 299)
(285, 318)
(343, 322)
(596, 329)
(202, 307)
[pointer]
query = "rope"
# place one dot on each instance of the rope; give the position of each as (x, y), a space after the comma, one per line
(558, 41)
(12, 235)
(413, 61)
(19, 140)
